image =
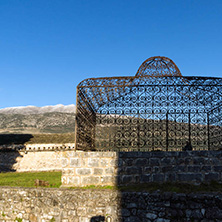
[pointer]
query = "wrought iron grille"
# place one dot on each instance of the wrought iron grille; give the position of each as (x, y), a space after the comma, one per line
(157, 109)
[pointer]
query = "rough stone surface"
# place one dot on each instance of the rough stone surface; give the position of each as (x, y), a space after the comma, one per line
(129, 168)
(62, 205)
(23, 161)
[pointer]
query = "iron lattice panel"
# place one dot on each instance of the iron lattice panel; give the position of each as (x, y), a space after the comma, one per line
(149, 112)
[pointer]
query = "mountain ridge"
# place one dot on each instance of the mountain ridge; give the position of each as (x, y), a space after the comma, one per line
(27, 110)
(32, 119)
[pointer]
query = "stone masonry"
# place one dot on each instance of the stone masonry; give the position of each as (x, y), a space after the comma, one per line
(23, 161)
(127, 168)
(62, 205)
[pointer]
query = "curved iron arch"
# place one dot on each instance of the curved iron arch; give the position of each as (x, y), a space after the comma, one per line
(158, 66)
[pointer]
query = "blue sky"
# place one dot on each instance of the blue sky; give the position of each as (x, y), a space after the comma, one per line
(48, 46)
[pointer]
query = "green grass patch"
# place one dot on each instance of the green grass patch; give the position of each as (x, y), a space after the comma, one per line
(13, 179)
(24, 179)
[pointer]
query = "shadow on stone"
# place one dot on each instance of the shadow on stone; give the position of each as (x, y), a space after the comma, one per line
(8, 159)
(97, 219)
(10, 144)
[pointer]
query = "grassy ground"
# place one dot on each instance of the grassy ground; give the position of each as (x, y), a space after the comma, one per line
(13, 179)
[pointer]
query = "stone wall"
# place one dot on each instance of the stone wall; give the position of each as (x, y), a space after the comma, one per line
(61, 205)
(126, 168)
(22, 161)
(89, 168)
(113, 168)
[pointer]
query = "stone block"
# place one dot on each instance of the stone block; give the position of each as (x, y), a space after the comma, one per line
(90, 180)
(73, 180)
(136, 179)
(156, 169)
(127, 179)
(214, 213)
(131, 205)
(159, 154)
(183, 154)
(180, 161)
(202, 153)
(165, 161)
(207, 168)
(212, 176)
(64, 162)
(104, 162)
(190, 177)
(120, 162)
(114, 163)
(110, 170)
(133, 170)
(75, 162)
(215, 161)
(158, 177)
(146, 154)
(166, 169)
(141, 162)
(64, 172)
(188, 161)
(217, 168)
(108, 180)
(151, 216)
(83, 171)
(86, 154)
(78, 154)
(129, 154)
(95, 154)
(172, 154)
(193, 169)
(109, 154)
(64, 180)
(132, 219)
(98, 171)
(93, 162)
(128, 161)
(170, 177)
(182, 168)
(147, 169)
(199, 161)
(125, 212)
(145, 178)
(154, 161)
(162, 220)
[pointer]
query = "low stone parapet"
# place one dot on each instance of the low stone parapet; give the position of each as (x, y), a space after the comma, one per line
(76, 205)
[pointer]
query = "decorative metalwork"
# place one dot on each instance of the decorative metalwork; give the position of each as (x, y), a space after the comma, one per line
(157, 109)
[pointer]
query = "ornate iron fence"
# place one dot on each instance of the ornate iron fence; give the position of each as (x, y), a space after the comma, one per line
(157, 109)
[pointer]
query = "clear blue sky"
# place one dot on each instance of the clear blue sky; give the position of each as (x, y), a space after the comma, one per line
(48, 46)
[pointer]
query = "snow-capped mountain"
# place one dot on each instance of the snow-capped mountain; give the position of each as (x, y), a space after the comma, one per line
(32, 119)
(39, 110)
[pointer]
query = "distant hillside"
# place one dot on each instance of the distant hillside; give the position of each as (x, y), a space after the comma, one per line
(50, 119)
(37, 123)
(26, 110)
